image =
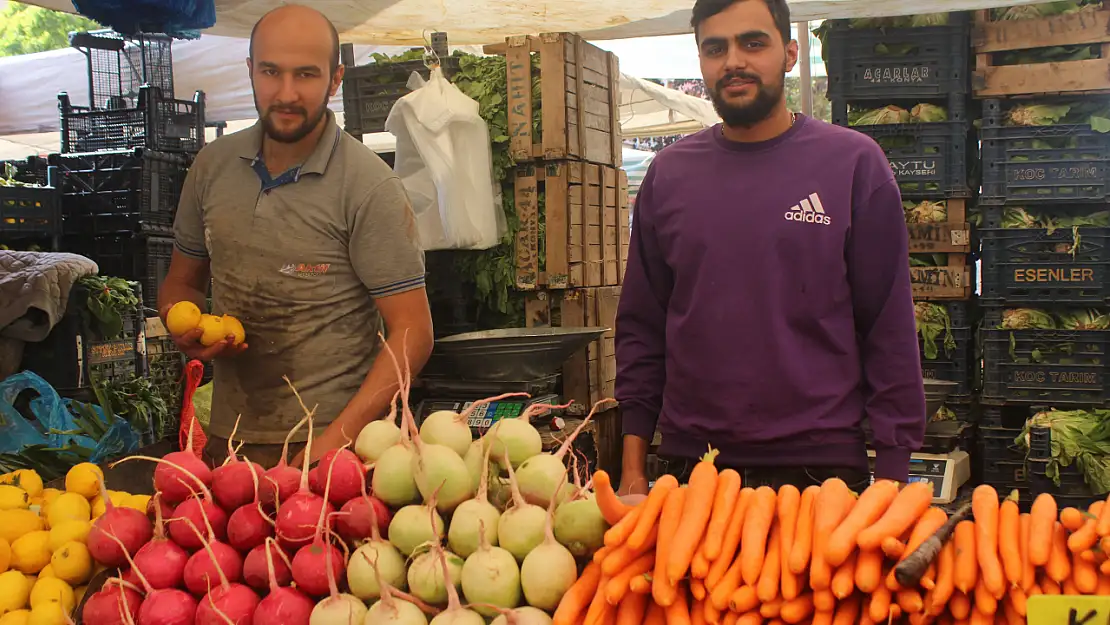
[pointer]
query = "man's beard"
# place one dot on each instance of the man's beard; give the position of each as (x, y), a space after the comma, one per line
(754, 111)
(300, 132)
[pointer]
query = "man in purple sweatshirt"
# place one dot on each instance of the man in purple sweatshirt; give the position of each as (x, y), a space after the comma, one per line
(767, 307)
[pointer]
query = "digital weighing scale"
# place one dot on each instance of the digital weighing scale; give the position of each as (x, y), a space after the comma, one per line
(946, 469)
(476, 365)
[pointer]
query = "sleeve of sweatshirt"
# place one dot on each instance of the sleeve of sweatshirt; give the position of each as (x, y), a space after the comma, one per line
(878, 268)
(641, 323)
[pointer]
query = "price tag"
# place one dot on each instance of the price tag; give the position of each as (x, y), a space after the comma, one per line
(1068, 610)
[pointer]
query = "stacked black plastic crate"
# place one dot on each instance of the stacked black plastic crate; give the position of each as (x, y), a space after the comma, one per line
(905, 82)
(1045, 236)
(30, 210)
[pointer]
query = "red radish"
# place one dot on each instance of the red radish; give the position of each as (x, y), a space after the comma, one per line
(249, 526)
(283, 605)
(311, 562)
(129, 525)
(201, 510)
(297, 514)
(359, 517)
(161, 560)
(348, 474)
(164, 507)
(167, 606)
(230, 485)
(116, 603)
(210, 564)
(255, 573)
(226, 603)
(281, 482)
(173, 479)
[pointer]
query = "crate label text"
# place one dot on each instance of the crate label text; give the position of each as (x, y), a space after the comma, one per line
(915, 167)
(1032, 274)
(520, 90)
(1074, 172)
(902, 75)
(110, 351)
(1057, 377)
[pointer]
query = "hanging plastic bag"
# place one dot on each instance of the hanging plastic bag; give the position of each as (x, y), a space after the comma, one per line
(443, 158)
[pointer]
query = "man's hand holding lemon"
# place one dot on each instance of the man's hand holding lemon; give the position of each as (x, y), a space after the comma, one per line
(202, 336)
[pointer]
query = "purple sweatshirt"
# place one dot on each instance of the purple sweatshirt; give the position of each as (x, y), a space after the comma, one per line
(767, 305)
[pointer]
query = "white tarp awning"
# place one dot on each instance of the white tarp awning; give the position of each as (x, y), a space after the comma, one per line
(407, 22)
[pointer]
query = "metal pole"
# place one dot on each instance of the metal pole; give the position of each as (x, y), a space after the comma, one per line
(805, 78)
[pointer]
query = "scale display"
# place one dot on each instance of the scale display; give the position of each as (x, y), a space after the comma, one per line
(486, 415)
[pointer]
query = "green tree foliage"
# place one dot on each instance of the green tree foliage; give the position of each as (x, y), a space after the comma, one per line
(25, 29)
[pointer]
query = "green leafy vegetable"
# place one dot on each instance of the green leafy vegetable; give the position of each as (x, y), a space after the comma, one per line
(1027, 319)
(1078, 436)
(932, 319)
(109, 299)
(925, 212)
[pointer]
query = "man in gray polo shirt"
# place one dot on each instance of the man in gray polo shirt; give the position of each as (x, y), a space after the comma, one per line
(309, 239)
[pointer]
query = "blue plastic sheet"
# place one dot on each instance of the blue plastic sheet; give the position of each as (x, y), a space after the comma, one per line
(183, 19)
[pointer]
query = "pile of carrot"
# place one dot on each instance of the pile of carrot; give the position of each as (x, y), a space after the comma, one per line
(714, 551)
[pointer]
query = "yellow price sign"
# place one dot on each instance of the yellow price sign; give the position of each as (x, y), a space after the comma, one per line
(1068, 610)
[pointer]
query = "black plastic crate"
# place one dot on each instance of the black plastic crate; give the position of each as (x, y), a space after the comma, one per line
(956, 106)
(1072, 482)
(157, 123)
(30, 170)
(30, 212)
(1005, 475)
(929, 159)
(1031, 266)
(74, 354)
(165, 368)
(370, 91)
(139, 257)
(884, 63)
(1027, 165)
(134, 190)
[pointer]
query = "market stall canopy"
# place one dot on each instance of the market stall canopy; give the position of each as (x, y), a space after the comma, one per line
(408, 22)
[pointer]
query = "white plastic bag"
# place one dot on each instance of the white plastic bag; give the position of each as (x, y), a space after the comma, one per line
(443, 158)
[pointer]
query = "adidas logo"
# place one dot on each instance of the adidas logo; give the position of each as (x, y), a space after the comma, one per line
(809, 211)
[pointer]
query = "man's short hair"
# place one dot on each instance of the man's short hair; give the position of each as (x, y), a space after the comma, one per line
(705, 9)
(334, 43)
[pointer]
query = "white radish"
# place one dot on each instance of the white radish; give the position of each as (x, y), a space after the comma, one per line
(580, 527)
(450, 429)
(549, 570)
(541, 476)
(520, 529)
(455, 614)
(475, 455)
(361, 578)
(425, 576)
(416, 525)
(395, 607)
(438, 468)
(474, 517)
(491, 577)
(377, 436)
(517, 437)
(523, 616)
(393, 480)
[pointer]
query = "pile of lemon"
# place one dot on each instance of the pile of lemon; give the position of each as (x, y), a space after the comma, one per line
(185, 317)
(44, 563)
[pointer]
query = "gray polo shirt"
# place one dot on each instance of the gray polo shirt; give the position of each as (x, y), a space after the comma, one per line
(299, 259)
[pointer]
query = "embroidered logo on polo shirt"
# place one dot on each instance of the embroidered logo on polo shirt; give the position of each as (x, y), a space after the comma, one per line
(305, 270)
(810, 211)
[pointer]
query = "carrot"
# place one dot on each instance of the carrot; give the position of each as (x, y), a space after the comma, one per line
(750, 618)
(868, 509)
(847, 612)
(1050, 587)
(701, 490)
(697, 612)
(722, 592)
(678, 613)
(930, 523)
(699, 566)
(967, 566)
(650, 510)
(824, 600)
(595, 613)
(757, 527)
(865, 612)
(611, 506)
(803, 534)
(893, 548)
(618, 585)
(1103, 527)
(833, 504)
(822, 617)
(1042, 520)
(662, 591)
(1103, 585)
(655, 614)
(879, 609)
(1019, 599)
(1059, 564)
(904, 511)
(1010, 614)
(724, 502)
(1070, 588)
(730, 618)
(960, 606)
(843, 582)
(789, 501)
(631, 610)
(771, 609)
(578, 597)
(602, 553)
(697, 588)
(712, 614)
(619, 533)
(1009, 534)
(1072, 518)
(946, 580)
(979, 617)
(743, 599)
(1086, 536)
(869, 570)
(769, 582)
(623, 556)
(910, 601)
(984, 504)
(731, 544)
(985, 601)
(796, 610)
(1028, 571)
(641, 585)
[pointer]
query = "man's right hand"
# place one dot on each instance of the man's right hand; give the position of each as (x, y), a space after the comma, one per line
(633, 486)
(189, 343)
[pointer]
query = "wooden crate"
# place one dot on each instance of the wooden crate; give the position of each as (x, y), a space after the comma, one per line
(585, 218)
(951, 237)
(590, 375)
(579, 99)
(953, 281)
(1037, 79)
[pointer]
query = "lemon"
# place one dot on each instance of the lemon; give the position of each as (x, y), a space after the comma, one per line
(138, 502)
(213, 328)
(84, 479)
(50, 613)
(31, 552)
(68, 531)
(13, 498)
(72, 563)
(15, 590)
(5, 555)
(50, 494)
(26, 479)
(16, 523)
(69, 507)
(17, 617)
(49, 589)
(233, 327)
(46, 572)
(183, 317)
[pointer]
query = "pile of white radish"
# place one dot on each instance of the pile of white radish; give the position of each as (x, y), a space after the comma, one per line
(452, 531)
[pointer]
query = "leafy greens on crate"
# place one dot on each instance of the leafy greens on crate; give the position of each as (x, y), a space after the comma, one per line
(925, 211)
(873, 23)
(109, 300)
(1094, 113)
(1046, 9)
(932, 320)
(1078, 436)
(921, 113)
(1036, 319)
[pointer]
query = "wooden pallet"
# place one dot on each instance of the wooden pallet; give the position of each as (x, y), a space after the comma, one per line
(1038, 79)
(585, 218)
(590, 375)
(579, 95)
